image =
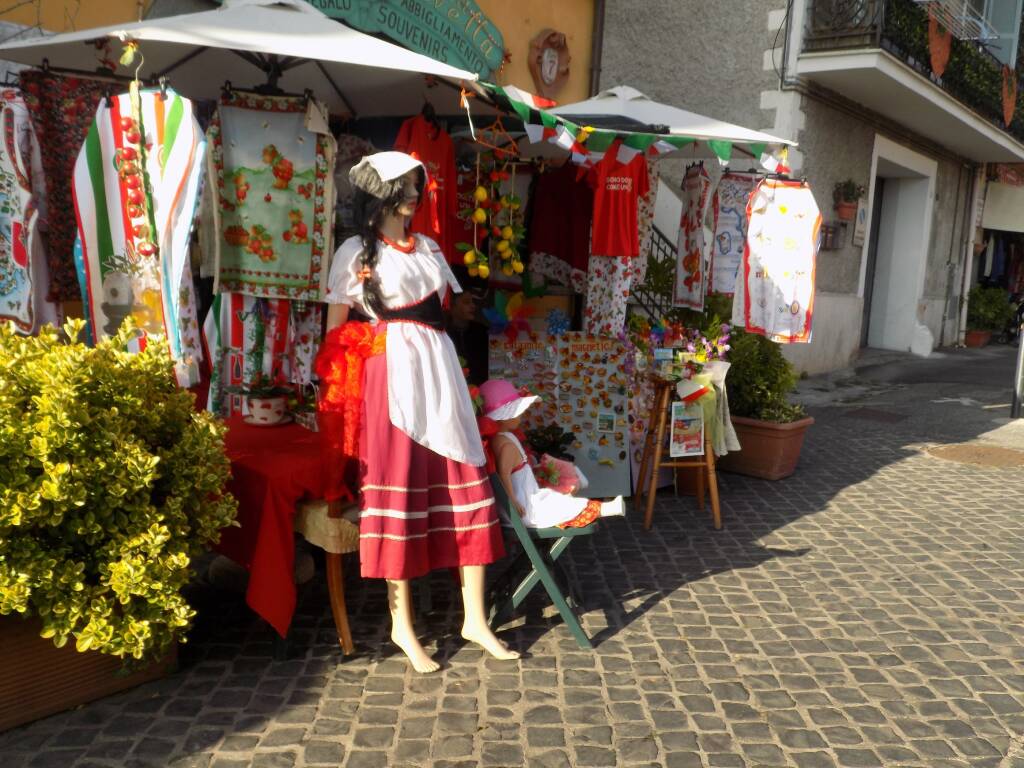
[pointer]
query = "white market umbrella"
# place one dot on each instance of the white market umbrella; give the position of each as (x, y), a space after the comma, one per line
(624, 108)
(352, 72)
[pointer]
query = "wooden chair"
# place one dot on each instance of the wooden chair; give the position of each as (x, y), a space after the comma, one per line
(537, 562)
(654, 447)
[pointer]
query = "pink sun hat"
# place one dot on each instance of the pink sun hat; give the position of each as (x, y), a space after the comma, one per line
(503, 401)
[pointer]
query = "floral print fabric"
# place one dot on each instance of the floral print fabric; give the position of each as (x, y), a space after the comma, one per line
(608, 281)
(62, 109)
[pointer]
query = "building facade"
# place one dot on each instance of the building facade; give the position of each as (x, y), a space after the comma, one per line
(852, 81)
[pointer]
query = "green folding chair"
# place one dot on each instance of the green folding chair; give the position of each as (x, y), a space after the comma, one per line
(536, 563)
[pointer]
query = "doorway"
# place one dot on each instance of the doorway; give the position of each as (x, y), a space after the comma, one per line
(895, 253)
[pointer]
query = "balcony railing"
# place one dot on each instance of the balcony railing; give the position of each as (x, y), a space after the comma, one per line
(972, 76)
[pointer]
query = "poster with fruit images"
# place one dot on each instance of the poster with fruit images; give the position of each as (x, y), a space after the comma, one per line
(275, 196)
(691, 272)
(583, 385)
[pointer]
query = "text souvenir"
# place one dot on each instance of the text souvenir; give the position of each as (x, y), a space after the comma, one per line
(691, 275)
(274, 212)
(779, 261)
(20, 195)
(136, 187)
(583, 388)
(730, 230)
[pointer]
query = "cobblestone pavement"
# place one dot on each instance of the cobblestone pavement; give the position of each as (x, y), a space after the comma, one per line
(865, 612)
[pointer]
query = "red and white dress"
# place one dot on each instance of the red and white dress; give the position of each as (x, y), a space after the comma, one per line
(426, 498)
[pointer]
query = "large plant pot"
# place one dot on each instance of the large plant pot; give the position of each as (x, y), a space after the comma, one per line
(977, 338)
(770, 451)
(38, 679)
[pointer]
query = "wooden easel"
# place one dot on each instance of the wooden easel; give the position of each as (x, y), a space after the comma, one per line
(654, 444)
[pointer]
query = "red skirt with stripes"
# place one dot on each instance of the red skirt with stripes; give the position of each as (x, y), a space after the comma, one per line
(420, 510)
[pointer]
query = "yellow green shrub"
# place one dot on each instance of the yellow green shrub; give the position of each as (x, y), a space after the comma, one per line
(110, 483)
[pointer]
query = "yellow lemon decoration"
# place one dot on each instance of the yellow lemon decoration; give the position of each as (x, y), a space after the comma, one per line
(508, 233)
(484, 271)
(517, 267)
(480, 216)
(507, 270)
(506, 254)
(480, 194)
(502, 246)
(473, 271)
(470, 257)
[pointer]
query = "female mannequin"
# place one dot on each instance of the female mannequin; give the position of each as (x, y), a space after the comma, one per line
(426, 501)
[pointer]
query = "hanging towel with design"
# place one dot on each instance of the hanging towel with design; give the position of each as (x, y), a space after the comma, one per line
(135, 188)
(62, 110)
(22, 190)
(249, 339)
(274, 212)
(729, 207)
(777, 298)
(691, 272)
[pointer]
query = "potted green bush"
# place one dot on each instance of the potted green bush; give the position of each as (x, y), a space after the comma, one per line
(110, 482)
(988, 310)
(845, 195)
(770, 428)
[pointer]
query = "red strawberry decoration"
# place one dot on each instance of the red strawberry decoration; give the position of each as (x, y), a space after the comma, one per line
(134, 211)
(135, 197)
(267, 198)
(127, 124)
(141, 231)
(133, 182)
(146, 248)
(132, 136)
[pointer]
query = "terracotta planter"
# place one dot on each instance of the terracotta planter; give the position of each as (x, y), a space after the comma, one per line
(846, 210)
(38, 679)
(770, 451)
(977, 338)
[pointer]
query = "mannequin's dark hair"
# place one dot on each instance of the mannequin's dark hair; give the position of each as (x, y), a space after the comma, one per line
(369, 212)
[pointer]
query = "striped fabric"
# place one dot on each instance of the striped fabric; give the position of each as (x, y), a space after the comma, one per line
(246, 337)
(136, 187)
(420, 511)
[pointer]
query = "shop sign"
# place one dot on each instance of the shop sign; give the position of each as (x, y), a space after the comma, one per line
(454, 32)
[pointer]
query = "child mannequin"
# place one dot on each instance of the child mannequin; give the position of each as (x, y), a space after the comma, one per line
(539, 507)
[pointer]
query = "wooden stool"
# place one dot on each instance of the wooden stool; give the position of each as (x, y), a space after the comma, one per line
(336, 588)
(654, 446)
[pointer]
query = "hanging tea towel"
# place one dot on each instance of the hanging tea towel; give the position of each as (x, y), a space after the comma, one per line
(136, 187)
(274, 211)
(779, 261)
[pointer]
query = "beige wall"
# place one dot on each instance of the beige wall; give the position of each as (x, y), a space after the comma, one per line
(67, 15)
(521, 20)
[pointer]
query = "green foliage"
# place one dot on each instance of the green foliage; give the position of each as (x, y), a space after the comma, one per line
(109, 484)
(988, 309)
(760, 379)
(552, 440)
(972, 76)
(847, 191)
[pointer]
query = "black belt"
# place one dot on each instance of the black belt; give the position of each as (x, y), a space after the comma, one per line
(426, 312)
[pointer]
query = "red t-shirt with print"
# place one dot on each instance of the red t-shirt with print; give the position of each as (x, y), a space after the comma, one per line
(617, 187)
(433, 147)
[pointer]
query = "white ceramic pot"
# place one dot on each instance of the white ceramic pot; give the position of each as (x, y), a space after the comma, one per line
(266, 410)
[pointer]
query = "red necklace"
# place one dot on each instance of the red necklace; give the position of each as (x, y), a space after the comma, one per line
(408, 247)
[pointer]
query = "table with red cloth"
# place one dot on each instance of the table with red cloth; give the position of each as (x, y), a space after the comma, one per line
(273, 468)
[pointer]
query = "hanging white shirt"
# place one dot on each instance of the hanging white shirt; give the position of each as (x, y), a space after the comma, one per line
(428, 398)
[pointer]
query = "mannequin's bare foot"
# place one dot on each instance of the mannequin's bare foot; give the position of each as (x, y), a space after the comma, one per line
(482, 636)
(414, 651)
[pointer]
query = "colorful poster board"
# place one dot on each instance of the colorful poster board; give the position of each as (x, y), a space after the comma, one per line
(584, 388)
(686, 430)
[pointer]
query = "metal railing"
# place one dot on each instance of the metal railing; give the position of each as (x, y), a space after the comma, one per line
(654, 295)
(973, 75)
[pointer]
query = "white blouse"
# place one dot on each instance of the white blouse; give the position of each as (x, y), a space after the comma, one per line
(427, 394)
